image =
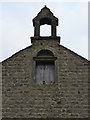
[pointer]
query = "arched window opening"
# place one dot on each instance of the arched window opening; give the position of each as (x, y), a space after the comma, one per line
(45, 67)
(45, 30)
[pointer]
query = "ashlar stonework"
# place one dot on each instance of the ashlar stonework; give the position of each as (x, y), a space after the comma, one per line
(45, 80)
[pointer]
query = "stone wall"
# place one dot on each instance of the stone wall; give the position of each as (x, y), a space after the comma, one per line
(66, 98)
(0, 91)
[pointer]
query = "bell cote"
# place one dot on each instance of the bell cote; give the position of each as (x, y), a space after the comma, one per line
(45, 16)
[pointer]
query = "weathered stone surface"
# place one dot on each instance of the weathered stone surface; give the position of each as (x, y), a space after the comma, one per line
(67, 97)
(23, 98)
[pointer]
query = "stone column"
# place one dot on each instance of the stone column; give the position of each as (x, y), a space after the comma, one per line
(37, 29)
(53, 29)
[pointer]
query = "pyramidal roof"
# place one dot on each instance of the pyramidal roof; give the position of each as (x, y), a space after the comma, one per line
(45, 13)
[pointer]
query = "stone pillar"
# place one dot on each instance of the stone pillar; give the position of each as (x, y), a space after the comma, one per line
(37, 29)
(53, 29)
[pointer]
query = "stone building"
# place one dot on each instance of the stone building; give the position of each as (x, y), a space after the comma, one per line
(45, 80)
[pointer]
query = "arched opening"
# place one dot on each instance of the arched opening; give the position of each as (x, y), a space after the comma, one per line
(45, 30)
(45, 67)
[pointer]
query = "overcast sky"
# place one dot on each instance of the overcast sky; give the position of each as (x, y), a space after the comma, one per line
(17, 28)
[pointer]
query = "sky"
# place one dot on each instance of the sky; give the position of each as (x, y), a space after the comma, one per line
(17, 27)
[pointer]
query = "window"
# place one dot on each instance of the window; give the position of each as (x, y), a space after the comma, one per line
(45, 67)
(45, 72)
